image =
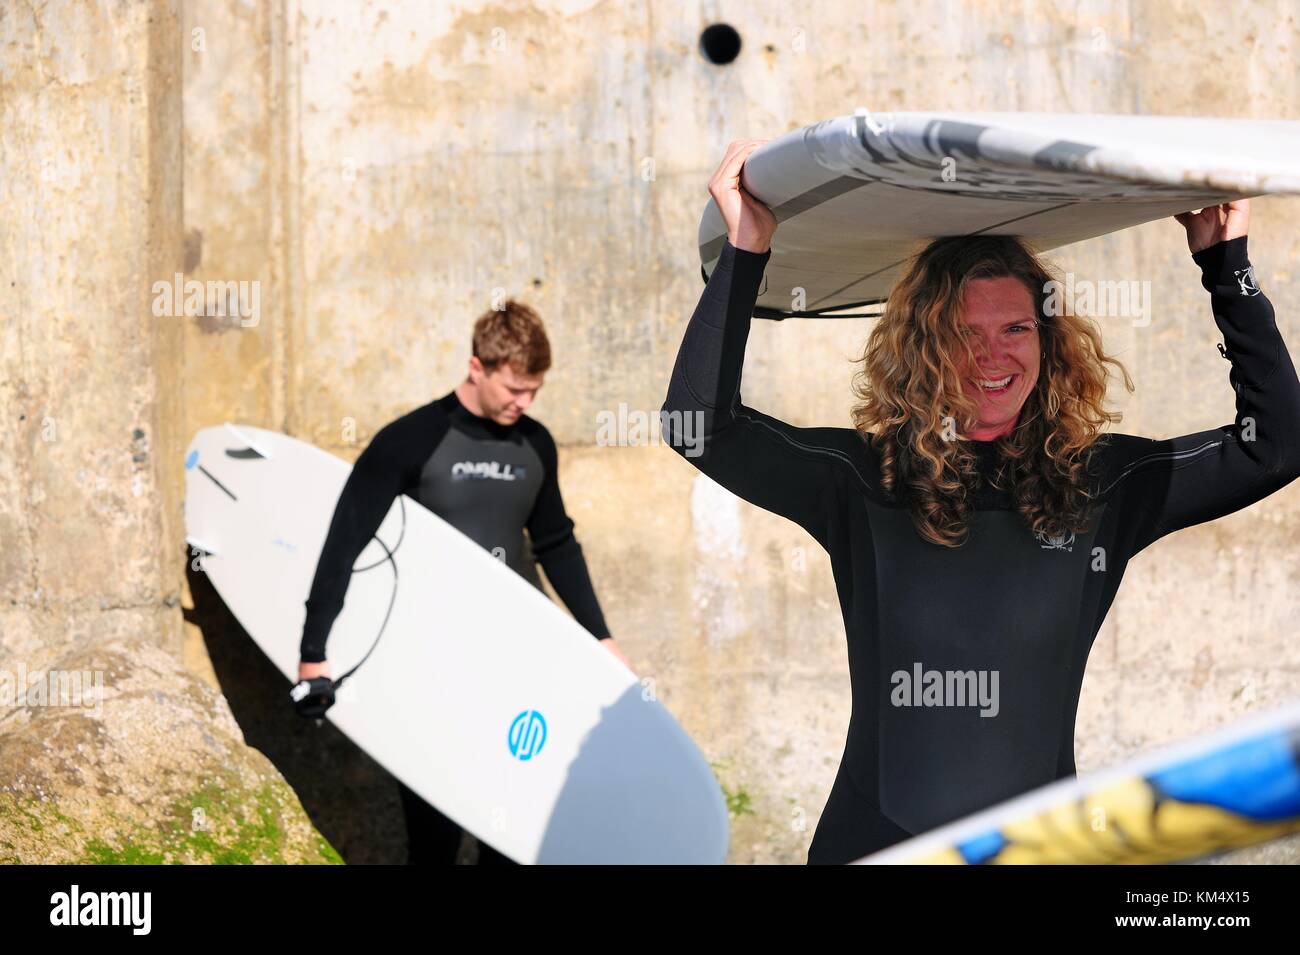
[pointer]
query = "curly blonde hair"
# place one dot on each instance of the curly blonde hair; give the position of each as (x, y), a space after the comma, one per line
(910, 391)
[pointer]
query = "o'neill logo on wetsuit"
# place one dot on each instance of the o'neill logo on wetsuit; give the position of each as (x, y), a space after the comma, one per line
(1063, 542)
(486, 470)
(1246, 280)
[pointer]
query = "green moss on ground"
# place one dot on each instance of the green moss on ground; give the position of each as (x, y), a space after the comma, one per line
(738, 800)
(240, 827)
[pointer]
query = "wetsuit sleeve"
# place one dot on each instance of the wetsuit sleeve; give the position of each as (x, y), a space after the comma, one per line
(1195, 478)
(756, 457)
(550, 530)
(382, 472)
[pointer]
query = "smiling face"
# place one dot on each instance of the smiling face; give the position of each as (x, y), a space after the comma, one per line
(1002, 324)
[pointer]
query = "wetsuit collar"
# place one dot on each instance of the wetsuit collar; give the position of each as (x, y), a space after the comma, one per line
(987, 460)
(457, 411)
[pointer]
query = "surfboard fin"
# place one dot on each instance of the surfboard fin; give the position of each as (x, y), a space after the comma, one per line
(248, 442)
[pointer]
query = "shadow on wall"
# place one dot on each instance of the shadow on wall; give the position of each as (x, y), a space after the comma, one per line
(351, 799)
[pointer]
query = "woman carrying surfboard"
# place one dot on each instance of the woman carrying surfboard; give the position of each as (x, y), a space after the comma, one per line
(978, 520)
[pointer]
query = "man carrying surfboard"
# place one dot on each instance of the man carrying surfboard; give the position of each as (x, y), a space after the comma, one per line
(977, 519)
(478, 461)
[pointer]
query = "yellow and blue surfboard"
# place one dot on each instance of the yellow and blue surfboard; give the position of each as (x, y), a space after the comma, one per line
(1229, 789)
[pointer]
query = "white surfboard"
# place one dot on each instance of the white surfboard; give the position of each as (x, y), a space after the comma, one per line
(1228, 789)
(481, 695)
(856, 195)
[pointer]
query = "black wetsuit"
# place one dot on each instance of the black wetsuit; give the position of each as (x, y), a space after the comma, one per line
(487, 480)
(1009, 602)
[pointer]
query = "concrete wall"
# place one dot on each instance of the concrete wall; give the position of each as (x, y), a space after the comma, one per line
(90, 148)
(383, 169)
(90, 531)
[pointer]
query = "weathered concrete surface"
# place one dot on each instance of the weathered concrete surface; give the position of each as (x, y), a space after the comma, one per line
(91, 194)
(145, 765)
(90, 577)
(382, 169)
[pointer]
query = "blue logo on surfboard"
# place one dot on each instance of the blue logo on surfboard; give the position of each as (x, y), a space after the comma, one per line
(527, 735)
(192, 460)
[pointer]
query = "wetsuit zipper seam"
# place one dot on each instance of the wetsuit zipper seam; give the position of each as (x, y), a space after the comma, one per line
(1192, 454)
(839, 456)
(698, 397)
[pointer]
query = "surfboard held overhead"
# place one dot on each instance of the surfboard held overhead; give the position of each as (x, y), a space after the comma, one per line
(856, 195)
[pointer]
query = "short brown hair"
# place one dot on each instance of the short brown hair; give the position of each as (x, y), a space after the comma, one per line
(512, 334)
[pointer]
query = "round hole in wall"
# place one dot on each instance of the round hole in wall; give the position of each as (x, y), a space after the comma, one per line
(720, 43)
